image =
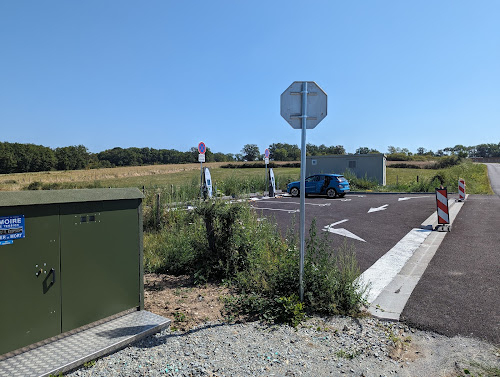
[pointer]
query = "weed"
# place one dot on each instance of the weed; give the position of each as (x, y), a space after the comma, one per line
(487, 370)
(224, 241)
(347, 355)
(89, 364)
(179, 317)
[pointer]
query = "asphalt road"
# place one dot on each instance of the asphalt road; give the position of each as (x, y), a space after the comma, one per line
(459, 293)
(379, 230)
(494, 174)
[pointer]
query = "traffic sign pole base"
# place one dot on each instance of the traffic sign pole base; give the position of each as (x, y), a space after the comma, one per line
(443, 228)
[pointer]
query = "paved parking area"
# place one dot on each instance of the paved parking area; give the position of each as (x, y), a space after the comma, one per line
(459, 292)
(371, 223)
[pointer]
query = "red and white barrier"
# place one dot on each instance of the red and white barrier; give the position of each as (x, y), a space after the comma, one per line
(442, 206)
(461, 190)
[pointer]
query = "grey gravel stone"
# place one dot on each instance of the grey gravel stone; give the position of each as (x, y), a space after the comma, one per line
(254, 349)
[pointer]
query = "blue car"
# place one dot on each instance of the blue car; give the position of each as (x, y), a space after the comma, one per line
(331, 185)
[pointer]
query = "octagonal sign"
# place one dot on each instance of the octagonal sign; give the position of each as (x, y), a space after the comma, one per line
(291, 104)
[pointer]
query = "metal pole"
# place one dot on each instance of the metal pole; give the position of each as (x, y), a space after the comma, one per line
(201, 180)
(158, 211)
(303, 188)
(267, 184)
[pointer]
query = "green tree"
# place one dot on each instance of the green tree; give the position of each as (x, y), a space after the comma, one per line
(8, 158)
(284, 152)
(250, 152)
(72, 158)
(421, 151)
(362, 150)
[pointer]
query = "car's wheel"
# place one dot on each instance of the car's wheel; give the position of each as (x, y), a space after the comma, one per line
(331, 193)
(294, 191)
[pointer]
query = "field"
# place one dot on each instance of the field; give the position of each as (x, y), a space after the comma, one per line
(138, 176)
(176, 176)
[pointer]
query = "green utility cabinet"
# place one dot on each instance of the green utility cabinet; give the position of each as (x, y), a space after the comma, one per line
(68, 258)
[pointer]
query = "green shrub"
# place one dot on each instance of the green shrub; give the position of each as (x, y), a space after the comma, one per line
(37, 185)
(405, 166)
(330, 277)
(445, 162)
(261, 165)
(225, 241)
(360, 183)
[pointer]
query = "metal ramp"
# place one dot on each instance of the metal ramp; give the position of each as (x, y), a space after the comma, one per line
(71, 351)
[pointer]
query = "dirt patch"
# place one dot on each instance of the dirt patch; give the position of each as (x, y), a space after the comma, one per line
(179, 299)
(408, 349)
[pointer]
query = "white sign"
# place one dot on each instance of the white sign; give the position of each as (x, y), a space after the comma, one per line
(266, 160)
(272, 185)
(208, 182)
(201, 158)
(291, 104)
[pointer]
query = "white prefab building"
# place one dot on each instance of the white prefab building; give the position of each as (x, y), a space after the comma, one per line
(371, 166)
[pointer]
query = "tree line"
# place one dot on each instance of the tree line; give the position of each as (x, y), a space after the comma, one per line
(20, 158)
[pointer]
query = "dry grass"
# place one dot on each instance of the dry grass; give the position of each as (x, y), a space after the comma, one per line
(420, 164)
(119, 176)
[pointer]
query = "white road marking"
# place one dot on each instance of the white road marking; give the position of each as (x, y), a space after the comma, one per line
(412, 197)
(345, 233)
(338, 222)
(383, 271)
(298, 203)
(278, 209)
(342, 231)
(381, 208)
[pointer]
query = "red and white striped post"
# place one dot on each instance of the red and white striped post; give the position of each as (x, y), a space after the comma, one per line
(443, 212)
(461, 190)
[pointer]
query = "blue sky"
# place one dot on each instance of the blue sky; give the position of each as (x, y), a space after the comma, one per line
(169, 74)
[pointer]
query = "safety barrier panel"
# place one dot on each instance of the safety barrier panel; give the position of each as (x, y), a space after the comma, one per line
(442, 206)
(461, 190)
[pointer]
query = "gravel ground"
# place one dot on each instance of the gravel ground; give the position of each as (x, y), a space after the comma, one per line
(335, 346)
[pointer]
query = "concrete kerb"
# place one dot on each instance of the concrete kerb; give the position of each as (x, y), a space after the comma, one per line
(390, 303)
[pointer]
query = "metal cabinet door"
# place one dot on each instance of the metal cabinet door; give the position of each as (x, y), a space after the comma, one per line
(99, 260)
(29, 290)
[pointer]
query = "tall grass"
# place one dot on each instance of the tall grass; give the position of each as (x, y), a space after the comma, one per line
(219, 241)
(405, 180)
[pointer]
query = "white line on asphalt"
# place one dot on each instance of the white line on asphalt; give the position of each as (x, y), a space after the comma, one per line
(309, 204)
(390, 301)
(345, 233)
(278, 209)
(381, 273)
(381, 208)
(337, 223)
(412, 197)
(342, 231)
